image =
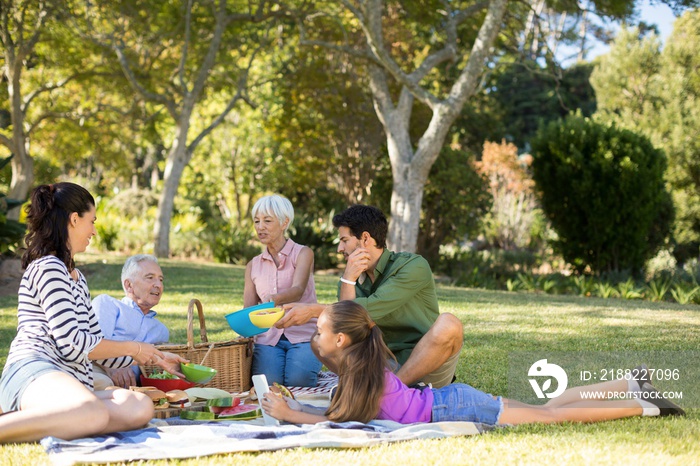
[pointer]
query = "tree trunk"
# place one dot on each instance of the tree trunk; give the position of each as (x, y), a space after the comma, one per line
(410, 172)
(406, 202)
(22, 179)
(178, 158)
(410, 168)
(22, 163)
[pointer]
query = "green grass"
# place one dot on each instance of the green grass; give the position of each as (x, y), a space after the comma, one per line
(496, 326)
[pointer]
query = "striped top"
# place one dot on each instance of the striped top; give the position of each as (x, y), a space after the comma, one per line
(56, 322)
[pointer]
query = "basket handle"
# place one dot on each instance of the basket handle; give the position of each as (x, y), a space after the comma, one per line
(190, 323)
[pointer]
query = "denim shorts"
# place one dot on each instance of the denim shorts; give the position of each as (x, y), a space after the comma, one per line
(16, 378)
(462, 402)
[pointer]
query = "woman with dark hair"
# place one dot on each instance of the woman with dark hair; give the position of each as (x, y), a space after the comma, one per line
(47, 384)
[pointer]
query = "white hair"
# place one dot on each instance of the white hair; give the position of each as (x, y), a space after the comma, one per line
(275, 206)
(133, 265)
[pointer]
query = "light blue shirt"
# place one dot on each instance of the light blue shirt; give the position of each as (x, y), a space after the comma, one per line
(125, 321)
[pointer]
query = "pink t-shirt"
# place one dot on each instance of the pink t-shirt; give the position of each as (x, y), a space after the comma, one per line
(269, 279)
(403, 404)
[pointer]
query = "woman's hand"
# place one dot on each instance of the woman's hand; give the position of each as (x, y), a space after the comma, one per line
(171, 363)
(146, 353)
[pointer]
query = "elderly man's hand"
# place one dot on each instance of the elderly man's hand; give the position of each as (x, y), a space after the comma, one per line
(122, 377)
(298, 314)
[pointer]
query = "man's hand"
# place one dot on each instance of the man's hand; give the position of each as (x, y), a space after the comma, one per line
(298, 314)
(122, 377)
(357, 263)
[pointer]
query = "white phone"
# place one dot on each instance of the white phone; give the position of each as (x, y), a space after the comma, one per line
(261, 387)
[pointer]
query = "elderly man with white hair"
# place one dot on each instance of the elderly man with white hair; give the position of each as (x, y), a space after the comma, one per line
(132, 318)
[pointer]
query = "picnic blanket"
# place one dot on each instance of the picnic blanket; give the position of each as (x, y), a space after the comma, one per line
(178, 438)
(190, 439)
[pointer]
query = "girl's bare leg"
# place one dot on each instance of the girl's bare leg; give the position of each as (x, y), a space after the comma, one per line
(597, 391)
(516, 412)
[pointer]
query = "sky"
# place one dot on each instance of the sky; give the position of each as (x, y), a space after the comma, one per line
(658, 14)
(661, 15)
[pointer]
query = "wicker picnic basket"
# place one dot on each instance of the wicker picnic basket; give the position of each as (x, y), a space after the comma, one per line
(232, 359)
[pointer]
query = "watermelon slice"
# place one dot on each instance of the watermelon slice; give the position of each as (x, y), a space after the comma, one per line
(218, 408)
(197, 415)
(223, 401)
(239, 413)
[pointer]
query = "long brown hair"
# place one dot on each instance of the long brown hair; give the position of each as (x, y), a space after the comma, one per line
(362, 364)
(47, 220)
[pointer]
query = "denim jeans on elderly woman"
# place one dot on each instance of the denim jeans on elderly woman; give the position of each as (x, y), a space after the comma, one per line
(290, 364)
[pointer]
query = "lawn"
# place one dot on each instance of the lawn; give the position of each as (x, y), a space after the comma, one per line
(498, 328)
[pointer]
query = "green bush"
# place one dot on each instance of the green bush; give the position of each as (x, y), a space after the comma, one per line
(491, 268)
(125, 223)
(11, 231)
(455, 199)
(602, 189)
(318, 233)
(232, 244)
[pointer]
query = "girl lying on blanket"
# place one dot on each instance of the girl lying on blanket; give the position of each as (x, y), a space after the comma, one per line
(368, 389)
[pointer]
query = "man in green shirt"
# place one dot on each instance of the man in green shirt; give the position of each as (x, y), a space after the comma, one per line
(398, 290)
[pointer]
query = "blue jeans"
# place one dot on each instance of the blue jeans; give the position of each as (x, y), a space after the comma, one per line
(462, 402)
(292, 365)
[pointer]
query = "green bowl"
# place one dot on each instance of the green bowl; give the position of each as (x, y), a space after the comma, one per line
(197, 373)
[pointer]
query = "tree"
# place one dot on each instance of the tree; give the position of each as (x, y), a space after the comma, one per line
(657, 93)
(23, 25)
(409, 48)
(411, 166)
(528, 95)
(174, 59)
(326, 127)
(602, 189)
(679, 122)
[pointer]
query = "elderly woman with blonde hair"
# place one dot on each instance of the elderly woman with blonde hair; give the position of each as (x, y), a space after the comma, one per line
(283, 273)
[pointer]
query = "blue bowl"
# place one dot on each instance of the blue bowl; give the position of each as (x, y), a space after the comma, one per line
(240, 322)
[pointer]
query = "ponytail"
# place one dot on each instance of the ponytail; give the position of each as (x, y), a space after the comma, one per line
(361, 373)
(47, 220)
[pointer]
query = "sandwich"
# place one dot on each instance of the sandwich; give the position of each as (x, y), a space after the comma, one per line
(276, 388)
(178, 399)
(159, 398)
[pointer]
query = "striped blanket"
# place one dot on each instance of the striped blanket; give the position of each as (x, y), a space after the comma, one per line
(191, 439)
(178, 438)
